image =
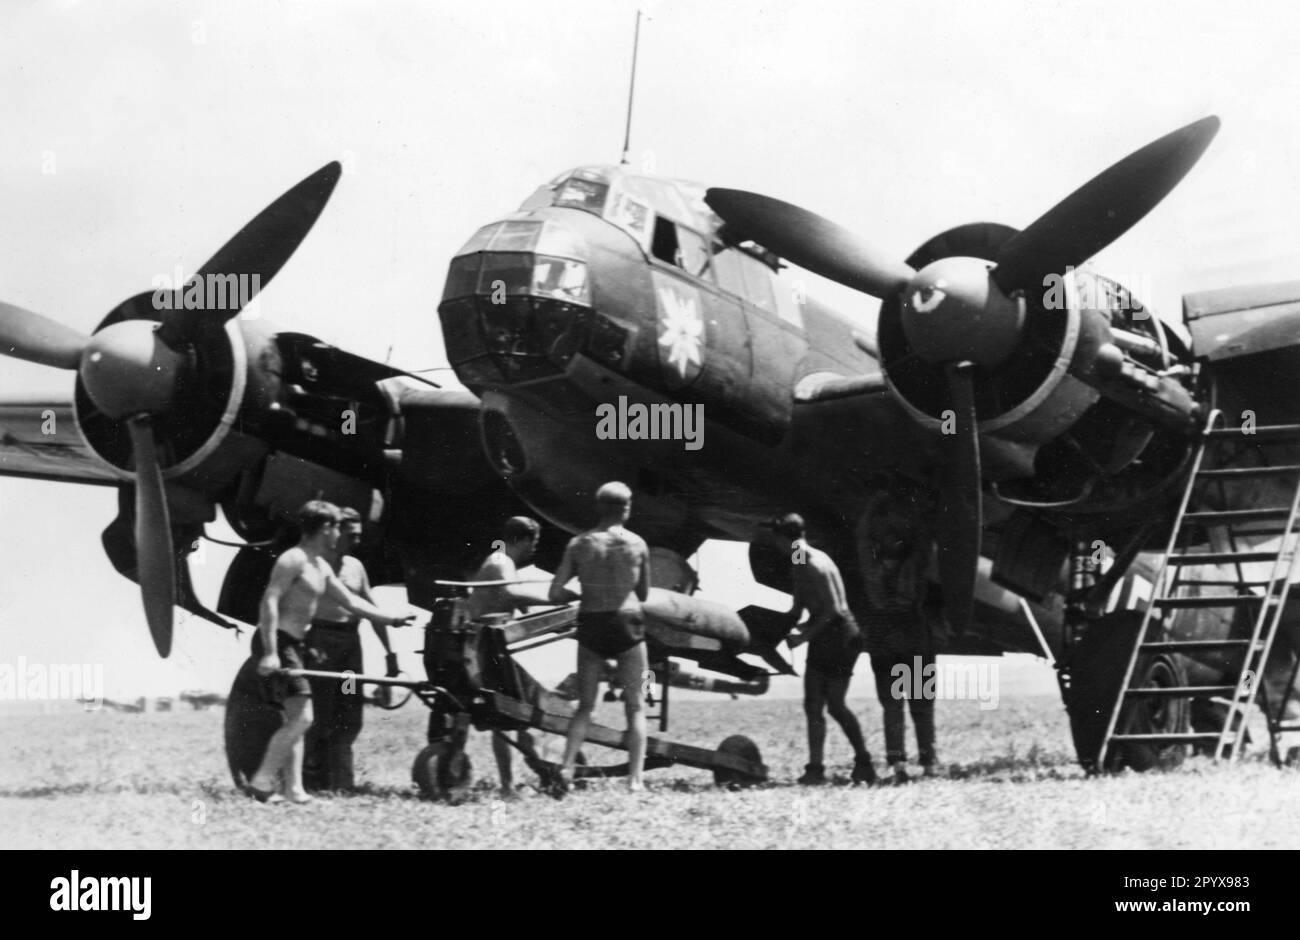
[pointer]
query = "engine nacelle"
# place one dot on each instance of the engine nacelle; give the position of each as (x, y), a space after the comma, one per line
(1088, 408)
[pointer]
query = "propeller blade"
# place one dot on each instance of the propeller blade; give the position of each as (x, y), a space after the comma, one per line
(155, 562)
(962, 522)
(254, 255)
(808, 240)
(35, 338)
(1101, 210)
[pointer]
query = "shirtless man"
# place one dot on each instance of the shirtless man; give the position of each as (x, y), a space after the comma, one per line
(516, 546)
(301, 576)
(334, 645)
(613, 567)
(833, 646)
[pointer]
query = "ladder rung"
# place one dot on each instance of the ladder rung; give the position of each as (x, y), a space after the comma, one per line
(1267, 531)
(1185, 691)
(1286, 726)
(1182, 738)
(1231, 584)
(1220, 558)
(1237, 515)
(1240, 473)
(1192, 646)
(1273, 431)
(1214, 600)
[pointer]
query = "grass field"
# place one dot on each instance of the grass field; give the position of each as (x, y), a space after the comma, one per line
(111, 780)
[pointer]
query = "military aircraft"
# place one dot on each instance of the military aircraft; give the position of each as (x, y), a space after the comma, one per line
(1017, 405)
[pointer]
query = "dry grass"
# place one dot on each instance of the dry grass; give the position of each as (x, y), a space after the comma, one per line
(110, 780)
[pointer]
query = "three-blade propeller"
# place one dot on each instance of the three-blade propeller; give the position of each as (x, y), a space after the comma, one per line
(131, 368)
(966, 325)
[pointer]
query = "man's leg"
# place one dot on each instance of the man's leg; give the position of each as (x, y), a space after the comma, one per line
(317, 756)
(922, 710)
(316, 740)
(814, 707)
(348, 715)
(297, 713)
(505, 765)
(590, 668)
(284, 751)
(895, 728)
(632, 668)
(837, 691)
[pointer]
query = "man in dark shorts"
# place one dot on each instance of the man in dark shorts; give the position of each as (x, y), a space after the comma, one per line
(300, 578)
(833, 646)
(516, 546)
(334, 645)
(613, 567)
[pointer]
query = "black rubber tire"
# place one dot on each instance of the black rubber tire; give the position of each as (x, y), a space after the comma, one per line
(740, 746)
(1097, 672)
(250, 721)
(424, 771)
(1157, 716)
(455, 775)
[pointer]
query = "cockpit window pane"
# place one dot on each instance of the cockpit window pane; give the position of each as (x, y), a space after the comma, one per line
(726, 268)
(583, 194)
(462, 277)
(479, 240)
(517, 236)
(758, 282)
(693, 253)
(505, 274)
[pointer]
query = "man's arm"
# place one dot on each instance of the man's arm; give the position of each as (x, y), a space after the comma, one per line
(558, 593)
(824, 602)
(338, 592)
(500, 568)
(643, 582)
(287, 568)
(381, 629)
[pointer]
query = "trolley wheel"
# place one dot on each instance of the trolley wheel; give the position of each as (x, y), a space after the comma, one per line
(443, 771)
(250, 721)
(455, 774)
(425, 771)
(743, 747)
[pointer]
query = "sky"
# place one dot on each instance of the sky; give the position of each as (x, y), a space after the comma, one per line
(140, 136)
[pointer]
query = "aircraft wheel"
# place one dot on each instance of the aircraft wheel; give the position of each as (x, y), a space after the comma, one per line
(1157, 716)
(250, 722)
(743, 747)
(1096, 674)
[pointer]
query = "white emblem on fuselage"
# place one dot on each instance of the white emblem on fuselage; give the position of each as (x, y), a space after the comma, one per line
(682, 330)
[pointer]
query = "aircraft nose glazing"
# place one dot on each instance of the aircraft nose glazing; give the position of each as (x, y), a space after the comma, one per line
(517, 304)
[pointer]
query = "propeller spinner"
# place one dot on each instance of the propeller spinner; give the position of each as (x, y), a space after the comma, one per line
(131, 369)
(966, 315)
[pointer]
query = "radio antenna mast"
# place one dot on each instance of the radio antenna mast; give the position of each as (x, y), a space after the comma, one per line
(631, 88)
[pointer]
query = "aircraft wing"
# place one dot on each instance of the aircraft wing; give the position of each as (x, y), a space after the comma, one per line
(39, 439)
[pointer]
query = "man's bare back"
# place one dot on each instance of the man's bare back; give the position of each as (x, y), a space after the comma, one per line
(610, 562)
